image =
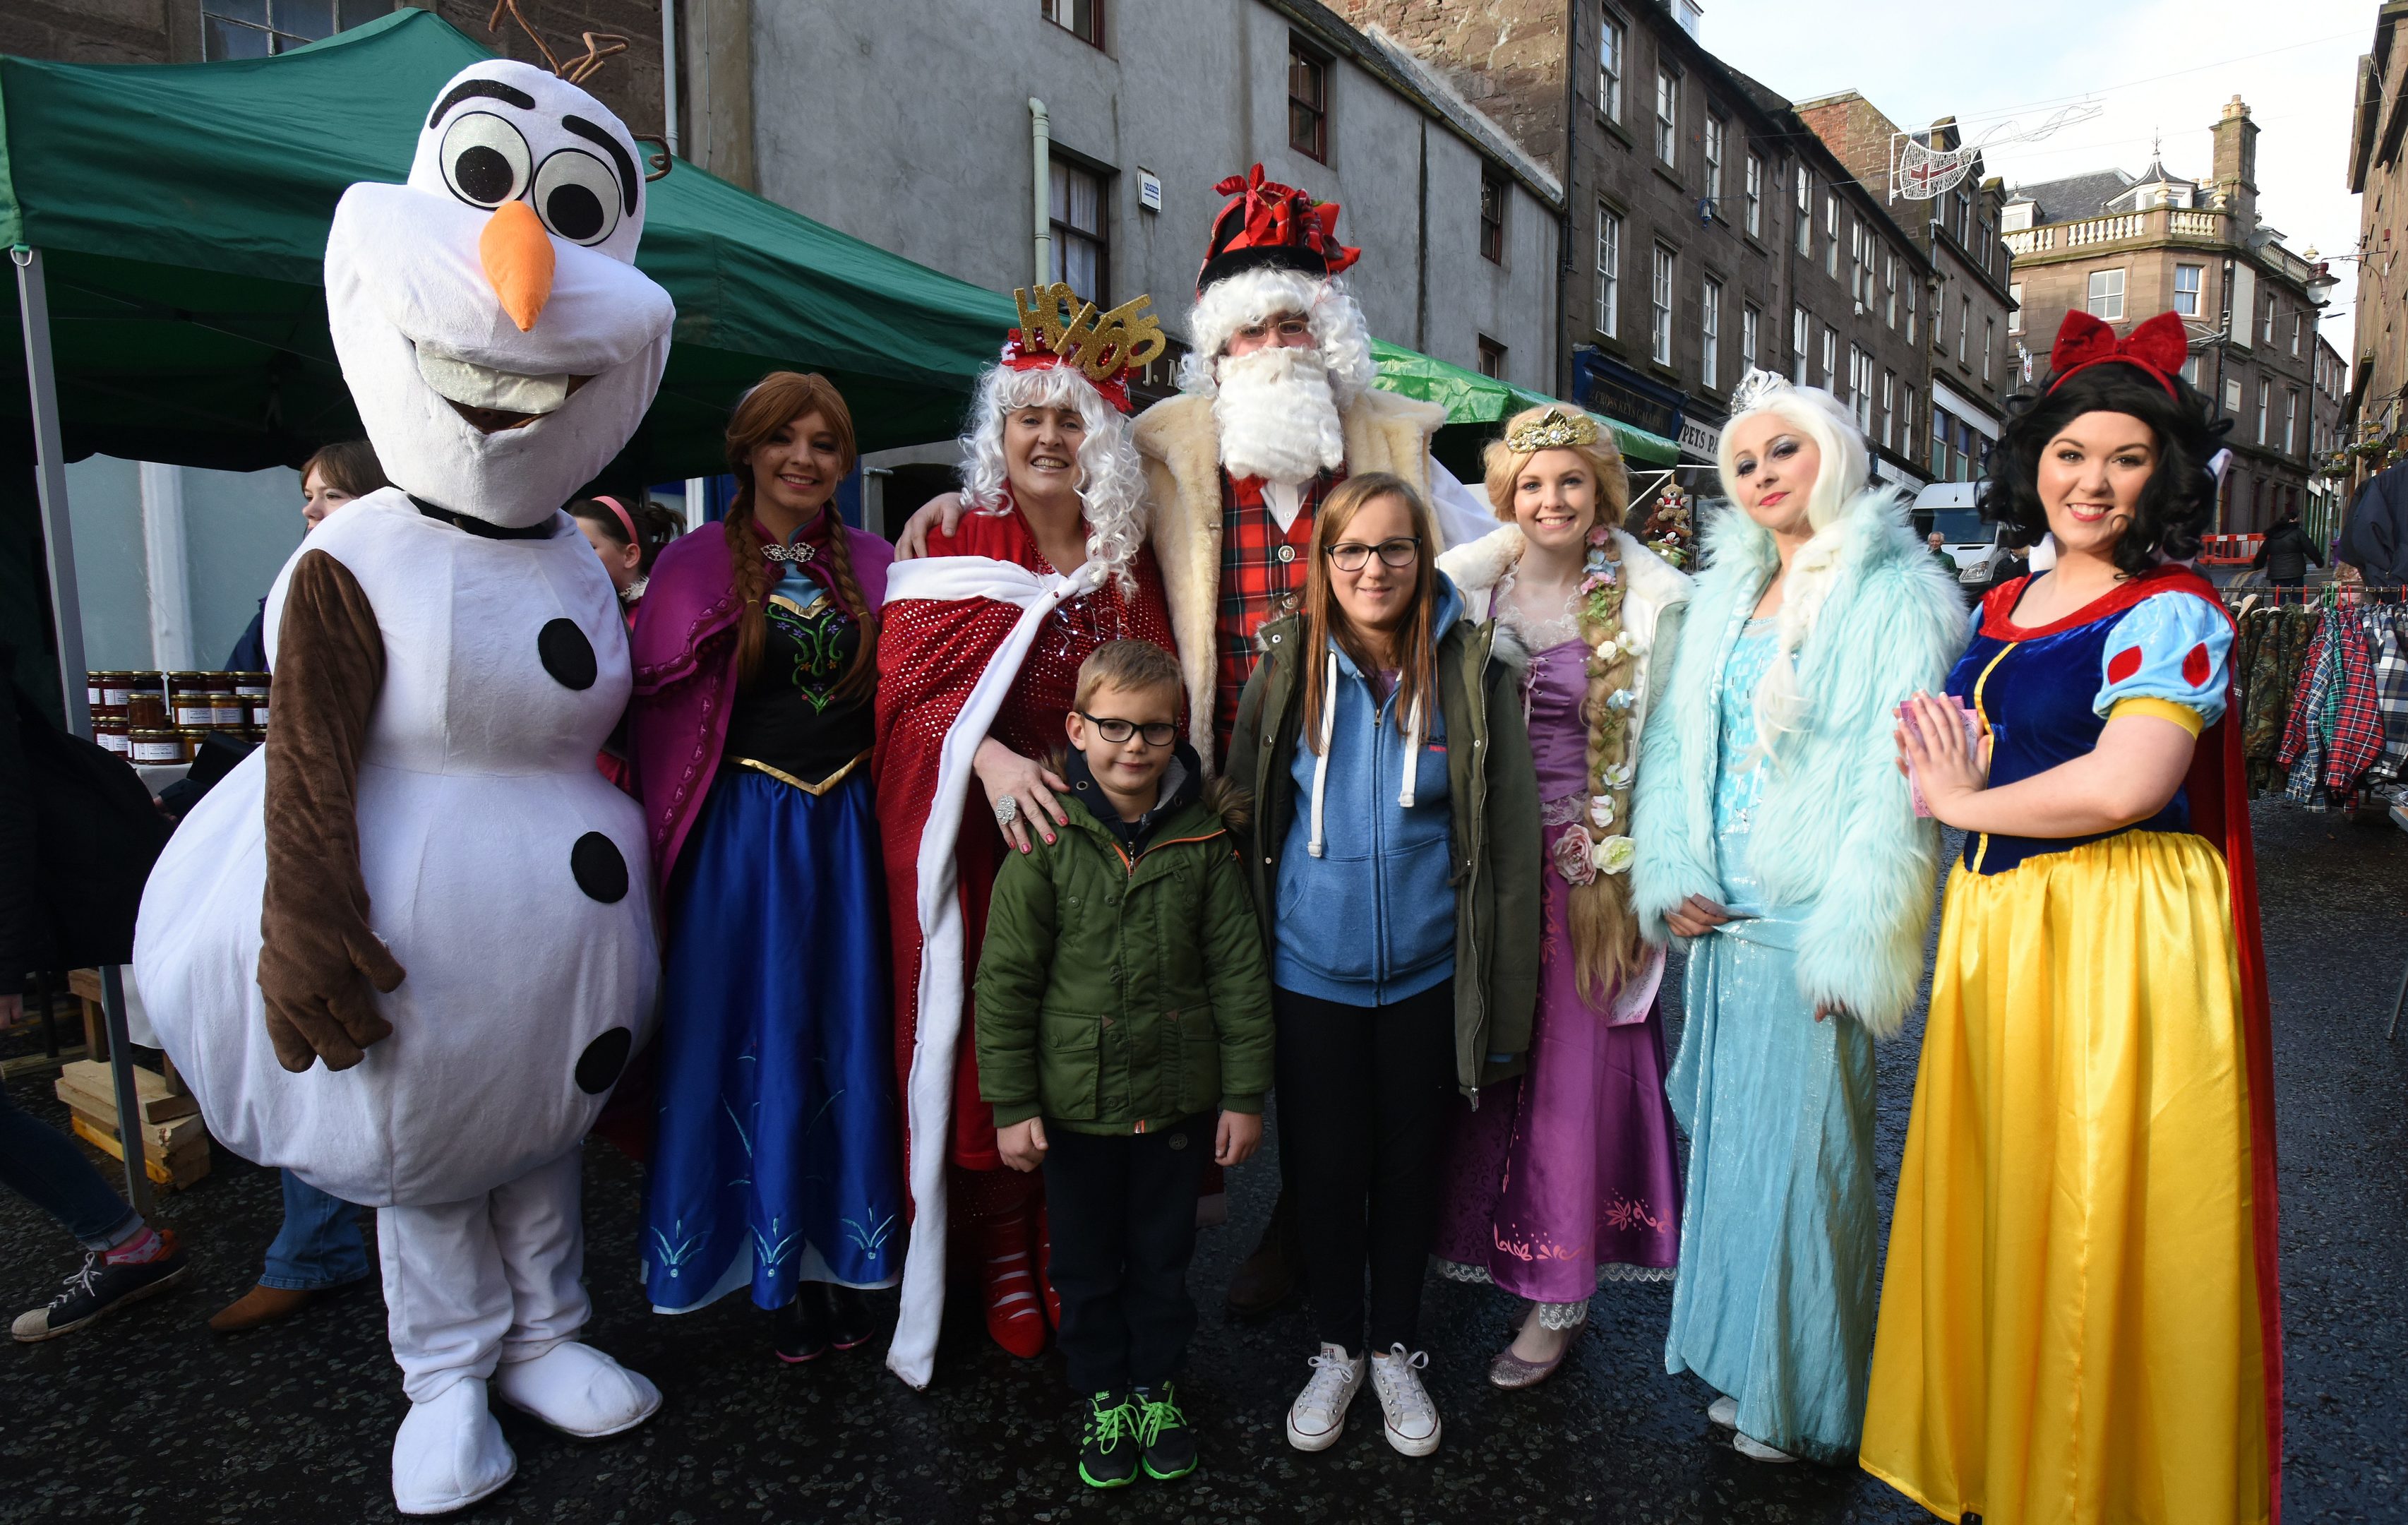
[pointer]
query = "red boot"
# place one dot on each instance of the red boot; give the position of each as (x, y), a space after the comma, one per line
(1007, 1280)
(1045, 1269)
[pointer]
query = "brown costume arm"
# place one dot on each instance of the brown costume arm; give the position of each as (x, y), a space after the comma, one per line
(316, 954)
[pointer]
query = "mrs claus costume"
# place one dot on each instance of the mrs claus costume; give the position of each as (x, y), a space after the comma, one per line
(422, 879)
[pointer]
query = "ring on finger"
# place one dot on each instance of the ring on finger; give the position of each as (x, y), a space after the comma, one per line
(1007, 810)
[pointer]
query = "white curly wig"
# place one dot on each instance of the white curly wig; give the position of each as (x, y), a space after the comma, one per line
(1111, 482)
(1263, 292)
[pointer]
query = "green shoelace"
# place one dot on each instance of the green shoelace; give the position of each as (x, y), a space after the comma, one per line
(1108, 1426)
(1158, 1414)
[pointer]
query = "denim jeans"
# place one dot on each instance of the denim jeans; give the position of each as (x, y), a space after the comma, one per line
(44, 1166)
(319, 1245)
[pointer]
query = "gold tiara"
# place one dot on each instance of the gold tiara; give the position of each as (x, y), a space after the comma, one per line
(1555, 431)
(1103, 345)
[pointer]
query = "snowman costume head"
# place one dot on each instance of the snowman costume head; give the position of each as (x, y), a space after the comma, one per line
(496, 335)
(422, 879)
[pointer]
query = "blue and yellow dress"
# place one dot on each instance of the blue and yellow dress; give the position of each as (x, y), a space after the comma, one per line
(2076, 1322)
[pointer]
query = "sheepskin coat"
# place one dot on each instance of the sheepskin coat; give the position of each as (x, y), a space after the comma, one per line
(1179, 441)
(1869, 618)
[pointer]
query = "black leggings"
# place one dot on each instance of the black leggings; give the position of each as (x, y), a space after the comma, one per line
(1362, 1108)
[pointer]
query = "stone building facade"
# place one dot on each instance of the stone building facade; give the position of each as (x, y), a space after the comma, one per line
(1710, 229)
(197, 31)
(2127, 247)
(2378, 173)
(1970, 326)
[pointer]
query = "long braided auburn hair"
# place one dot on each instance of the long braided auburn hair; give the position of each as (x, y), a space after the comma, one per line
(785, 398)
(1606, 946)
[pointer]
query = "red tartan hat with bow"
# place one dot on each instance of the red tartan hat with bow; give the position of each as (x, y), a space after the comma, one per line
(2159, 346)
(1267, 223)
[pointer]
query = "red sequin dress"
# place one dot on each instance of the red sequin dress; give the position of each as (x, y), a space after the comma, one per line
(930, 655)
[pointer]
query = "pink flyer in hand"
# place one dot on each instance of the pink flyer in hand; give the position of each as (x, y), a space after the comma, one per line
(1965, 715)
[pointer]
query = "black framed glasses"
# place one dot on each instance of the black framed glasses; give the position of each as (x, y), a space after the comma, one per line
(1158, 733)
(1353, 555)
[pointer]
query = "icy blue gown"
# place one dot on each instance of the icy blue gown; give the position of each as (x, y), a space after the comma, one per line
(1775, 1304)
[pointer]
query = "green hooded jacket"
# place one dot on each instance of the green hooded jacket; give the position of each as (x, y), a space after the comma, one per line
(1119, 995)
(1493, 788)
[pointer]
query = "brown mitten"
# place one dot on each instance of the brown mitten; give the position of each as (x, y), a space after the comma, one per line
(317, 955)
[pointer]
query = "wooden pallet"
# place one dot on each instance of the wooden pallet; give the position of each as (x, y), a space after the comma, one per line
(158, 1100)
(176, 1171)
(174, 1141)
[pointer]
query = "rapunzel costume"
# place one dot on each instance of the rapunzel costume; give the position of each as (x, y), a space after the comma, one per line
(2080, 1320)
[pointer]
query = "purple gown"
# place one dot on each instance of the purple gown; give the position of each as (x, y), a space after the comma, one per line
(1566, 1177)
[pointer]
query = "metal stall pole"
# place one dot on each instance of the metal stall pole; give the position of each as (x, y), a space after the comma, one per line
(66, 611)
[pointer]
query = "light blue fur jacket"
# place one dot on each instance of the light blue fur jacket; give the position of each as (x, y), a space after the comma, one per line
(1868, 617)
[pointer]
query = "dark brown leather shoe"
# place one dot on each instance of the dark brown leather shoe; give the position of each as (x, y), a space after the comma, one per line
(1272, 1274)
(260, 1305)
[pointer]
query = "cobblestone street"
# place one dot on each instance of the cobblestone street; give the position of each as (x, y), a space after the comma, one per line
(149, 1418)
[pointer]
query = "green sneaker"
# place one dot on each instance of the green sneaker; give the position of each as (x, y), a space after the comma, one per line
(1107, 1444)
(1162, 1431)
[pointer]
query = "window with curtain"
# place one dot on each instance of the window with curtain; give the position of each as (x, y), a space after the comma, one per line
(1081, 249)
(1888, 407)
(1492, 358)
(2291, 421)
(1659, 345)
(2265, 406)
(1906, 419)
(1608, 273)
(1749, 321)
(1710, 334)
(1755, 196)
(1717, 130)
(1831, 233)
(1805, 211)
(1801, 331)
(1830, 355)
(1668, 114)
(1493, 194)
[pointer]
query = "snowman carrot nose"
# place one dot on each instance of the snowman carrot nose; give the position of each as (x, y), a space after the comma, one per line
(517, 254)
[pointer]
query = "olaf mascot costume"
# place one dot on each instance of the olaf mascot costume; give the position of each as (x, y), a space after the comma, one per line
(422, 879)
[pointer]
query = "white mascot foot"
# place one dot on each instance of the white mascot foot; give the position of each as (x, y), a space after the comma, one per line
(576, 1390)
(448, 1452)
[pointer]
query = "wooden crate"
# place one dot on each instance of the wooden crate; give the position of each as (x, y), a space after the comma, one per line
(176, 1171)
(174, 1141)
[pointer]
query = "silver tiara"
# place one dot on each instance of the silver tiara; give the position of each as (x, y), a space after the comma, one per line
(1757, 388)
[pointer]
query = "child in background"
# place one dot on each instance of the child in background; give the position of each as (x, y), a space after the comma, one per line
(1124, 1030)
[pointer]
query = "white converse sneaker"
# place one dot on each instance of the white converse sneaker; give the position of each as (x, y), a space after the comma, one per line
(1411, 1417)
(1318, 1416)
(1756, 1450)
(1722, 1411)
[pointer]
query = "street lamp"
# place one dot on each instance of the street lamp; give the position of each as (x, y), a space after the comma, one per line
(2321, 284)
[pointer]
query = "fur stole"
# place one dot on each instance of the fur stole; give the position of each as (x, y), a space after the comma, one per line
(1870, 617)
(1179, 442)
(1654, 594)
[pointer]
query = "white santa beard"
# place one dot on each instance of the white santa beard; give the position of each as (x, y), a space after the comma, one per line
(1278, 416)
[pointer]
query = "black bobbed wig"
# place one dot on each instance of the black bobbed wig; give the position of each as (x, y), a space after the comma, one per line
(2175, 507)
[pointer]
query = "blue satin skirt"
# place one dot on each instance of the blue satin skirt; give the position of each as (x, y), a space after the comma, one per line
(778, 1153)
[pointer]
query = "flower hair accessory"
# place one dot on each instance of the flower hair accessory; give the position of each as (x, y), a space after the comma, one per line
(1558, 430)
(1755, 389)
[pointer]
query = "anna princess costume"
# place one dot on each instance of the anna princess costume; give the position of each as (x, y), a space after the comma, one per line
(2081, 1318)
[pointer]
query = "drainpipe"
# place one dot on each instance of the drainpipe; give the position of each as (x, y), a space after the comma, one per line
(669, 74)
(1565, 383)
(1041, 150)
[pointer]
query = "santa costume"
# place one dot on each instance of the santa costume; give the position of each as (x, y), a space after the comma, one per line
(982, 637)
(422, 879)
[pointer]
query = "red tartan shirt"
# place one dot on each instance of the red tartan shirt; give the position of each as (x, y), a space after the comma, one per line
(1262, 577)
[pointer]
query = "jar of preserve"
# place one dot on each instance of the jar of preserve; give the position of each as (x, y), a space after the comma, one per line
(146, 700)
(104, 694)
(191, 698)
(153, 746)
(109, 731)
(233, 713)
(253, 687)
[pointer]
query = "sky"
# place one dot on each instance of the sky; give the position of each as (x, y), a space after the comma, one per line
(2154, 65)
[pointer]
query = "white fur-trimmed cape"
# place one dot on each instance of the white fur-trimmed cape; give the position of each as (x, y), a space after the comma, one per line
(1835, 837)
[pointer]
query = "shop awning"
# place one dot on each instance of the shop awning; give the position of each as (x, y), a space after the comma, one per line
(182, 212)
(1471, 398)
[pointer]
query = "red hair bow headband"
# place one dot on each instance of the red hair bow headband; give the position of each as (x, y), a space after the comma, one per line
(2158, 346)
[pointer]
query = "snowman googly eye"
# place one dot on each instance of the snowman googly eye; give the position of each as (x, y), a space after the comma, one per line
(577, 196)
(485, 161)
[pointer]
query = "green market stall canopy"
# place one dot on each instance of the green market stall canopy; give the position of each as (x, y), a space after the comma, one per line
(182, 209)
(1475, 403)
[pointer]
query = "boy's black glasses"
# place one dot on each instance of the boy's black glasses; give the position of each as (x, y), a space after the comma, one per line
(1353, 555)
(1159, 733)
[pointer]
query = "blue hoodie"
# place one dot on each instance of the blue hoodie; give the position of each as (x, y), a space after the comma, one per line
(1367, 914)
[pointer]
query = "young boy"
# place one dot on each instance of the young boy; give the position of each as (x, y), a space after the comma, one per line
(1124, 1030)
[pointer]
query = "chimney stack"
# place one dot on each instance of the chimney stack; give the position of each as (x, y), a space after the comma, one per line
(2236, 167)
